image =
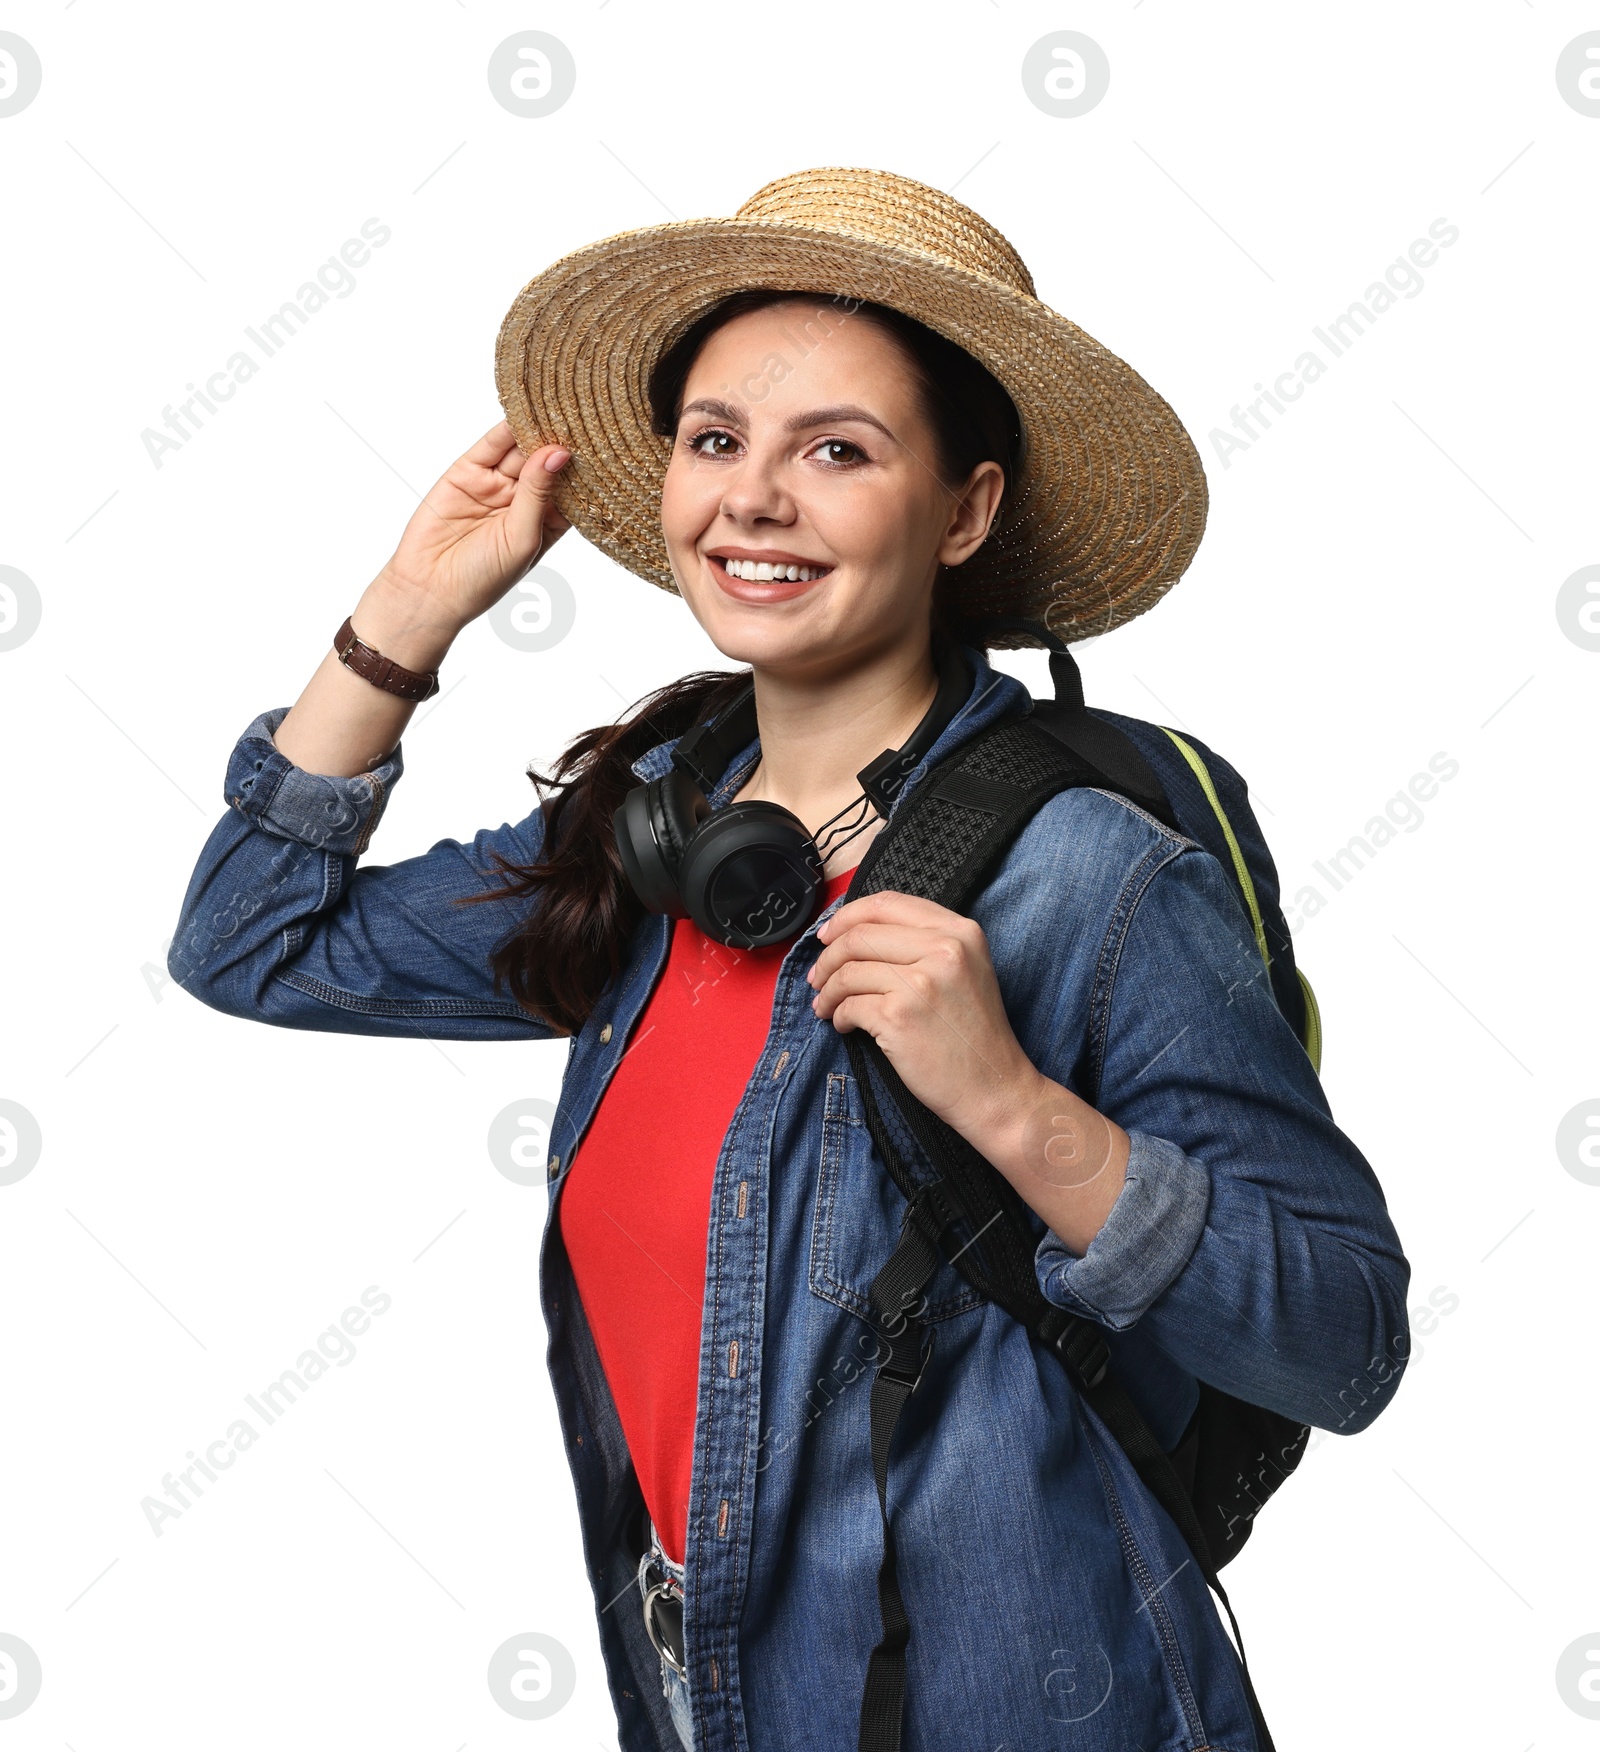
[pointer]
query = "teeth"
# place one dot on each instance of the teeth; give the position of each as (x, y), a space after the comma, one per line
(763, 572)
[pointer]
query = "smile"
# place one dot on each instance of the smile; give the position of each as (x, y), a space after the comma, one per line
(769, 571)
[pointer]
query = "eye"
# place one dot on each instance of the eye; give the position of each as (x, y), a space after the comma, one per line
(839, 451)
(713, 442)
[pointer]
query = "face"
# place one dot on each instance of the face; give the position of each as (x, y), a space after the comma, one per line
(803, 457)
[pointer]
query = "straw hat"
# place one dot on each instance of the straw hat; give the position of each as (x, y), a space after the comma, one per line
(1111, 499)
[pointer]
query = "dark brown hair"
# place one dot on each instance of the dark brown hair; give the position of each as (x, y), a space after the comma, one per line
(573, 940)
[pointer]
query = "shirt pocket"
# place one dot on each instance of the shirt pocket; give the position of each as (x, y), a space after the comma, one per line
(855, 1224)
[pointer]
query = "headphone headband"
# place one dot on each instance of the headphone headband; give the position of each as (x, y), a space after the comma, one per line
(704, 752)
(882, 778)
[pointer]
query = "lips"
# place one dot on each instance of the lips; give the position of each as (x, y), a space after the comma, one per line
(765, 576)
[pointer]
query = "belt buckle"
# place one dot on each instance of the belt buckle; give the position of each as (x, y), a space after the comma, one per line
(659, 1591)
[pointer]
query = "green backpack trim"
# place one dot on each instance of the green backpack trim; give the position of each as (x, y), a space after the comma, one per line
(1312, 1039)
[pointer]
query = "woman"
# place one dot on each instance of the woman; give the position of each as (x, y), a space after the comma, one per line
(834, 485)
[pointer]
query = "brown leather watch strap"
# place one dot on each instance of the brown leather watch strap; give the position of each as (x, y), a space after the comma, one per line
(381, 671)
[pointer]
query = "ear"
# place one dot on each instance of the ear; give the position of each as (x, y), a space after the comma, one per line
(976, 505)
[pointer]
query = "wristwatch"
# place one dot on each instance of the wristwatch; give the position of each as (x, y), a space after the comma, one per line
(381, 671)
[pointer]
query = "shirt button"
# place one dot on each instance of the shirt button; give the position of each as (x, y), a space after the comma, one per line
(554, 1167)
(605, 1034)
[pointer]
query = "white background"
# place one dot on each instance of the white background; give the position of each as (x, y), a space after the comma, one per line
(1377, 585)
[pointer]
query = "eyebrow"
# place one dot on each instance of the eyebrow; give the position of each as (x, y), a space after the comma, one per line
(832, 416)
(720, 409)
(796, 422)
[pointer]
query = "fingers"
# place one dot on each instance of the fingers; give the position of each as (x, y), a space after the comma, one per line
(531, 516)
(511, 464)
(498, 449)
(880, 942)
(491, 448)
(889, 908)
(852, 981)
(889, 1016)
(948, 945)
(902, 995)
(859, 1013)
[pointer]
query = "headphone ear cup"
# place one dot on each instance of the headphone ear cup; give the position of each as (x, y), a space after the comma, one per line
(752, 876)
(653, 826)
(677, 807)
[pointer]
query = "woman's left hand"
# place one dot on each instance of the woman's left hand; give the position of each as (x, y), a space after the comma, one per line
(919, 979)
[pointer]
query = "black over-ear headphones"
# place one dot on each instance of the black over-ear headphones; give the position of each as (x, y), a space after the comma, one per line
(750, 874)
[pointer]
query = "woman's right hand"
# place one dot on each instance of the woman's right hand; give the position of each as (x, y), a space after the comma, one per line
(486, 520)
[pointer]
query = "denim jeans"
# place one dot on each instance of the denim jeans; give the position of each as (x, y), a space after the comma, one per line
(673, 1688)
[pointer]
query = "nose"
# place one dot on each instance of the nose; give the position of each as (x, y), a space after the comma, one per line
(754, 490)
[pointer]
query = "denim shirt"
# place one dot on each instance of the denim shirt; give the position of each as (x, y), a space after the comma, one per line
(1052, 1602)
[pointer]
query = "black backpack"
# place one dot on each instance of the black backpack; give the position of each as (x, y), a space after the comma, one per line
(943, 844)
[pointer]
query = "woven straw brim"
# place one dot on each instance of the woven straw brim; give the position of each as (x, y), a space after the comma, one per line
(1111, 500)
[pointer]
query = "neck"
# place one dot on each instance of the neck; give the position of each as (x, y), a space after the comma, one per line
(817, 734)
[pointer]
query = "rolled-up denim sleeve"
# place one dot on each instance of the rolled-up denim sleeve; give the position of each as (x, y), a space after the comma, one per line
(1252, 1242)
(331, 814)
(1143, 1244)
(282, 923)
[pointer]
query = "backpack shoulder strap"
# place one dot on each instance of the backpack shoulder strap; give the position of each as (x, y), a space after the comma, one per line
(942, 844)
(945, 838)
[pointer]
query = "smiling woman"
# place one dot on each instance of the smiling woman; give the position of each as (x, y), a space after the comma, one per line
(856, 487)
(854, 470)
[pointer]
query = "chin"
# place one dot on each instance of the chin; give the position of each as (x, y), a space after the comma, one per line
(766, 635)
(830, 627)
(766, 641)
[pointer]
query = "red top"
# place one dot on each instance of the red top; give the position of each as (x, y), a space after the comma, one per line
(637, 1205)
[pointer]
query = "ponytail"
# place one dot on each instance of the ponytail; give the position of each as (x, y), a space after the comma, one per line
(572, 940)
